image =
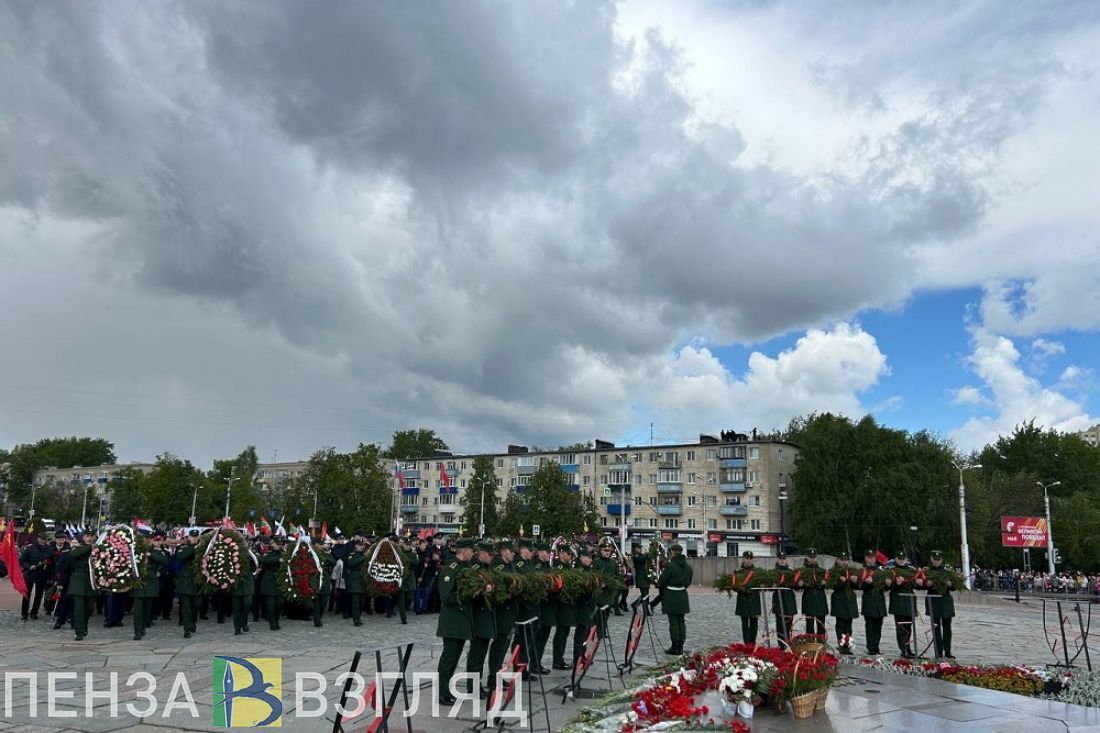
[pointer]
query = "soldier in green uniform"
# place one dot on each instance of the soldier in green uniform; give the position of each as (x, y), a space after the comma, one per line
(941, 609)
(605, 564)
(241, 593)
(485, 626)
(149, 589)
(186, 585)
(456, 623)
(505, 612)
(566, 613)
(748, 604)
(586, 604)
(815, 605)
(353, 579)
(845, 607)
(874, 604)
(639, 558)
(548, 611)
(526, 563)
(80, 584)
(269, 586)
(672, 586)
(784, 601)
(324, 585)
(404, 596)
(903, 607)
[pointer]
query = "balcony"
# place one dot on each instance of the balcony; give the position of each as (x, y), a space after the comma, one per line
(619, 466)
(525, 470)
(670, 510)
(411, 473)
(732, 487)
(570, 468)
(409, 508)
(732, 463)
(520, 488)
(573, 487)
(668, 464)
(670, 488)
(733, 510)
(616, 510)
(410, 491)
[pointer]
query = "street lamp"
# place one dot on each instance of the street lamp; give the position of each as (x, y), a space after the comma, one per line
(1050, 527)
(782, 520)
(84, 506)
(194, 498)
(962, 521)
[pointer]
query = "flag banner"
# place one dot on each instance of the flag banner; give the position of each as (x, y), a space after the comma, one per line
(1023, 532)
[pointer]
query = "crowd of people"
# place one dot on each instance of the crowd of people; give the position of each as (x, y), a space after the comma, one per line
(1031, 581)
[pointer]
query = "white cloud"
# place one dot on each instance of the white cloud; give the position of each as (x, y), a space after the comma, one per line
(969, 396)
(1016, 396)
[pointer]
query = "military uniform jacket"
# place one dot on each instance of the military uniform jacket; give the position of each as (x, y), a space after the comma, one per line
(185, 580)
(455, 619)
(523, 611)
(80, 582)
(903, 600)
(506, 611)
(586, 603)
(844, 602)
(37, 562)
(328, 562)
(784, 601)
(353, 574)
(246, 584)
(641, 571)
(941, 607)
(150, 585)
(814, 601)
(408, 573)
(673, 585)
(874, 599)
(748, 603)
(548, 607)
(566, 613)
(609, 568)
(269, 584)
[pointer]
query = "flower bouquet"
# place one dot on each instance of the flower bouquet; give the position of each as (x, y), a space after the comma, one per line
(299, 575)
(474, 583)
(536, 586)
(222, 555)
(808, 643)
(658, 558)
(383, 569)
(117, 561)
(811, 577)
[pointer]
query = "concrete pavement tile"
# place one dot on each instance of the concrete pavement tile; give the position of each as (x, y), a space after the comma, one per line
(960, 711)
(856, 706)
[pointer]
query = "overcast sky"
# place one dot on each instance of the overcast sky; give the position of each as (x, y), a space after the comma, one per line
(266, 223)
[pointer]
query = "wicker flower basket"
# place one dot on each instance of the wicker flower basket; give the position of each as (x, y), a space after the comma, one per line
(822, 697)
(809, 648)
(803, 706)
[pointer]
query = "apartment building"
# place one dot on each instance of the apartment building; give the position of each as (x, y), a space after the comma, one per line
(77, 478)
(1091, 436)
(724, 494)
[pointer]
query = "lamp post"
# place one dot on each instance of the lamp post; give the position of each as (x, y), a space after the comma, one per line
(962, 521)
(194, 498)
(83, 507)
(228, 492)
(1050, 528)
(782, 520)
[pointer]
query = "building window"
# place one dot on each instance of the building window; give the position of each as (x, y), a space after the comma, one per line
(636, 457)
(639, 479)
(712, 477)
(637, 523)
(603, 501)
(731, 549)
(424, 501)
(603, 460)
(731, 524)
(637, 501)
(500, 463)
(464, 465)
(604, 520)
(779, 454)
(712, 523)
(587, 460)
(672, 523)
(754, 524)
(653, 523)
(498, 481)
(691, 455)
(652, 479)
(691, 500)
(754, 501)
(587, 480)
(691, 478)
(603, 478)
(654, 456)
(712, 454)
(462, 482)
(754, 452)
(782, 481)
(754, 476)
(691, 524)
(669, 476)
(653, 501)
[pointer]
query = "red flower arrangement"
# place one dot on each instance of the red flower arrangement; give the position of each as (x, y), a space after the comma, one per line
(299, 573)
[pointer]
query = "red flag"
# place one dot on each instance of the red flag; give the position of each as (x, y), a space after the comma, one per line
(265, 528)
(324, 530)
(880, 557)
(400, 474)
(228, 523)
(444, 479)
(9, 553)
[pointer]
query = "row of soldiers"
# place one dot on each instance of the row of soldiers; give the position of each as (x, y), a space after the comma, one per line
(552, 620)
(845, 609)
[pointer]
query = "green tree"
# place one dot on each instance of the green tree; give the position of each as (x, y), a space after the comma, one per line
(168, 489)
(549, 503)
(481, 488)
(27, 458)
(351, 489)
(244, 495)
(1077, 521)
(127, 496)
(420, 443)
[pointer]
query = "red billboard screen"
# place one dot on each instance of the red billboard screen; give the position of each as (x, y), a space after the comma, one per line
(1023, 532)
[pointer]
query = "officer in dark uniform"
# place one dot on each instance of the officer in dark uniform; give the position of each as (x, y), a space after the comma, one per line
(456, 622)
(605, 564)
(586, 604)
(815, 604)
(80, 584)
(145, 593)
(59, 545)
(524, 565)
(566, 613)
(167, 589)
(903, 606)
(548, 610)
(640, 560)
(784, 601)
(353, 579)
(63, 570)
(748, 604)
(874, 604)
(403, 599)
(672, 586)
(186, 585)
(941, 609)
(36, 562)
(845, 607)
(484, 617)
(241, 593)
(322, 600)
(505, 612)
(269, 586)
